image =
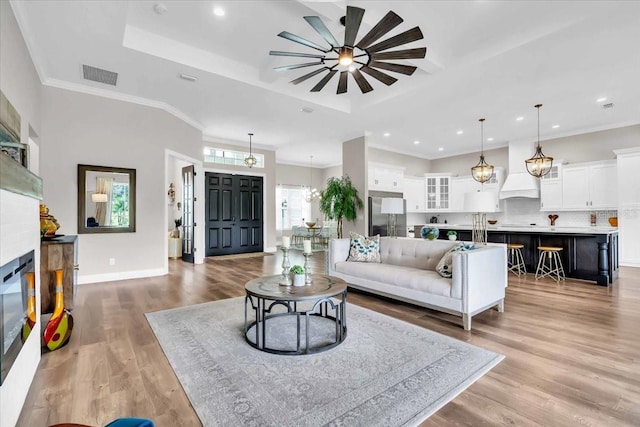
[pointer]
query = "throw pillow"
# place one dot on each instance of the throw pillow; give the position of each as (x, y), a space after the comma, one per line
(444, 267)
(364, 249)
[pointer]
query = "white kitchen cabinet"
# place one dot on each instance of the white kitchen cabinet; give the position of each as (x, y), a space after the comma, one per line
(414, 193)
(590, 186)
(628, 170)
(385, 177)
(466, 184)
(438, 192)
(551, 189)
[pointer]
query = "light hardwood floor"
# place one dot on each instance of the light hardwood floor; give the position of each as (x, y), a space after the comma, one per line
(572, 351)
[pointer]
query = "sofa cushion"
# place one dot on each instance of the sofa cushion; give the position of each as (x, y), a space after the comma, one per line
(444, 267)
(414, 253)
(364, 249)
(406, 277)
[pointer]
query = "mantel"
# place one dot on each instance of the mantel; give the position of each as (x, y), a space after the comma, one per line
(18, 179)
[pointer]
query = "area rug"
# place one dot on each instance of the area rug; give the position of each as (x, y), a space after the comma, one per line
(386, 373)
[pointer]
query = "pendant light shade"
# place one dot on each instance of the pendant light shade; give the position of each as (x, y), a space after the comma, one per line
(482, 172)
(250, 161)
(539, 165)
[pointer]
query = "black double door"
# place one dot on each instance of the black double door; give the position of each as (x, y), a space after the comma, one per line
(233, 213)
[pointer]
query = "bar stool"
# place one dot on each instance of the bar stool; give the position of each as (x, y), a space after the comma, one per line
(553, 268)
(516, 260)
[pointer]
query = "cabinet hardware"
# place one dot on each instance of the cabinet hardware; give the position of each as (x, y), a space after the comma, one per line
(76, 266)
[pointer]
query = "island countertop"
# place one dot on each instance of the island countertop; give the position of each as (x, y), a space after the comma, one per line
(526, 228)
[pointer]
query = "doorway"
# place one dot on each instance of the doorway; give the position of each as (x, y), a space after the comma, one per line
(233, 214)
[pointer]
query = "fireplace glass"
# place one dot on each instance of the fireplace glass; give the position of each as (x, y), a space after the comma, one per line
(13, 309)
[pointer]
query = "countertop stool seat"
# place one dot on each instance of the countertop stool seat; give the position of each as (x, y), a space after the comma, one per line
(549, 263)
(516, 260)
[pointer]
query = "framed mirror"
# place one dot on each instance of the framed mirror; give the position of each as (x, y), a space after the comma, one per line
(106, 200)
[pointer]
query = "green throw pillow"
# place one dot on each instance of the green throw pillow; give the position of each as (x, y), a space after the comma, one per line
(364, 249)
(444, 267)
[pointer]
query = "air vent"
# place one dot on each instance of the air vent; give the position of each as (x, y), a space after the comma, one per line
(607, 106)
(99, 75)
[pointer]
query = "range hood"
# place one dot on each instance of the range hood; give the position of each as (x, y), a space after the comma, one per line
(519, 183)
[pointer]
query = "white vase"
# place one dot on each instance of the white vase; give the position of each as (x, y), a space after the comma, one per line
(298, 280)
(453, 237)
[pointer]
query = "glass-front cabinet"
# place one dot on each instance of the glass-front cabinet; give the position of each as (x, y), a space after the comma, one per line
(438, 192)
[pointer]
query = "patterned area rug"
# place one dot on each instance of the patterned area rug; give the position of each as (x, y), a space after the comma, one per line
(386, 373)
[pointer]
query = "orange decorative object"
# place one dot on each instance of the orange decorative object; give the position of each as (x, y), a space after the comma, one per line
(58, 330)
(613, 221)
(30, 320)
(48, 224)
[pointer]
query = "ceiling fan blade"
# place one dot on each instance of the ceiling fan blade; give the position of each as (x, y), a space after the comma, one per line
(322, 29)
(401, 54)
(296, 54)
(308, 76)
(322, 83)
(352, 24)
(386, 24)
(396, 68)
(362, 82)
(384, 78)
(342, 84)
(287, 35)
(402, 38)
(296, 66)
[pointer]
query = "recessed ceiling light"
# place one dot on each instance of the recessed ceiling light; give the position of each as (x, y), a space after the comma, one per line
(601, 99)
(489, 139)
(218, 11)
(441, 149)
(460, 132)
(416, 142)
(306, 110)
(555, 126)
(387, 134)
(520, 118)
(160, 8)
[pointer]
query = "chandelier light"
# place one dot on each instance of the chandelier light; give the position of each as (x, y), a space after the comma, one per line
(250, 161)
(482, 172)
(539, 165)
(311, 193)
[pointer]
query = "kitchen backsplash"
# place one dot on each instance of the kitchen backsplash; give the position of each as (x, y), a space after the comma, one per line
(519, 211)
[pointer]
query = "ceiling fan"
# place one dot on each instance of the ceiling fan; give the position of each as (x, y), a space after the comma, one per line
(370, 57)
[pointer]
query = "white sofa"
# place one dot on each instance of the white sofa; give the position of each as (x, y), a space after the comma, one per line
(407, 273)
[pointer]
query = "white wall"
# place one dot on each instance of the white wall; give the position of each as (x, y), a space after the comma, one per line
(300, 176)
(414, 166)
(19, 219)
(85, 129)
(461, 165)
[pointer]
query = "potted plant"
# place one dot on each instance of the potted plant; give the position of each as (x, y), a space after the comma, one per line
(297, 273)
(453, 234)
(340, 201)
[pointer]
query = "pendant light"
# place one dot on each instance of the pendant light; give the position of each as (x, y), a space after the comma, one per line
(539, 165)
(482, 172)
(250, 161)
(311, 193)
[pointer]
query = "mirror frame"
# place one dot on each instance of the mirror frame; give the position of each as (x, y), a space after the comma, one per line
(82, 214)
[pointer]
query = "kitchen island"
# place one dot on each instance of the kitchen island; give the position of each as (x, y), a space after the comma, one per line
(589, 253)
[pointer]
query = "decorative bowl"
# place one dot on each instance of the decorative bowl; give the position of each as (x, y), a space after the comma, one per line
(613, 221)
(492, 221)
(310, 224)
(430, 232)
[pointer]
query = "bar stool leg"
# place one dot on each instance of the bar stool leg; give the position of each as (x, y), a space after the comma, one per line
(540, 268)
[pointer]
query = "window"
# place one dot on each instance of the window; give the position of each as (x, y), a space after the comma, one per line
(230, 157)
(291, 207)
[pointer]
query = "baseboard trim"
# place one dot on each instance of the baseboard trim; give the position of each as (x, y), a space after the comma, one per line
(122, 275)
(628, 263)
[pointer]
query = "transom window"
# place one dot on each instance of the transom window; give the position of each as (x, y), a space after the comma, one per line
(230, 157)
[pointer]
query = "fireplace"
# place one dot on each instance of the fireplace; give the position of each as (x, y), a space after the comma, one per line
(13, 307)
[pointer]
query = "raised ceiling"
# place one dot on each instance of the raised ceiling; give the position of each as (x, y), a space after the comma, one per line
(492, 59)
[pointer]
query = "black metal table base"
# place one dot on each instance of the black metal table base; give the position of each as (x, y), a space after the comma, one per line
(332, 308)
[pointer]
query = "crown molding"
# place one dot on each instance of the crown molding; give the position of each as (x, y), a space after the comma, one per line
(111, 94)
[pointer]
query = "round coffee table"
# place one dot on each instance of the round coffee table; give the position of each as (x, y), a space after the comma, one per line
(317, 309)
